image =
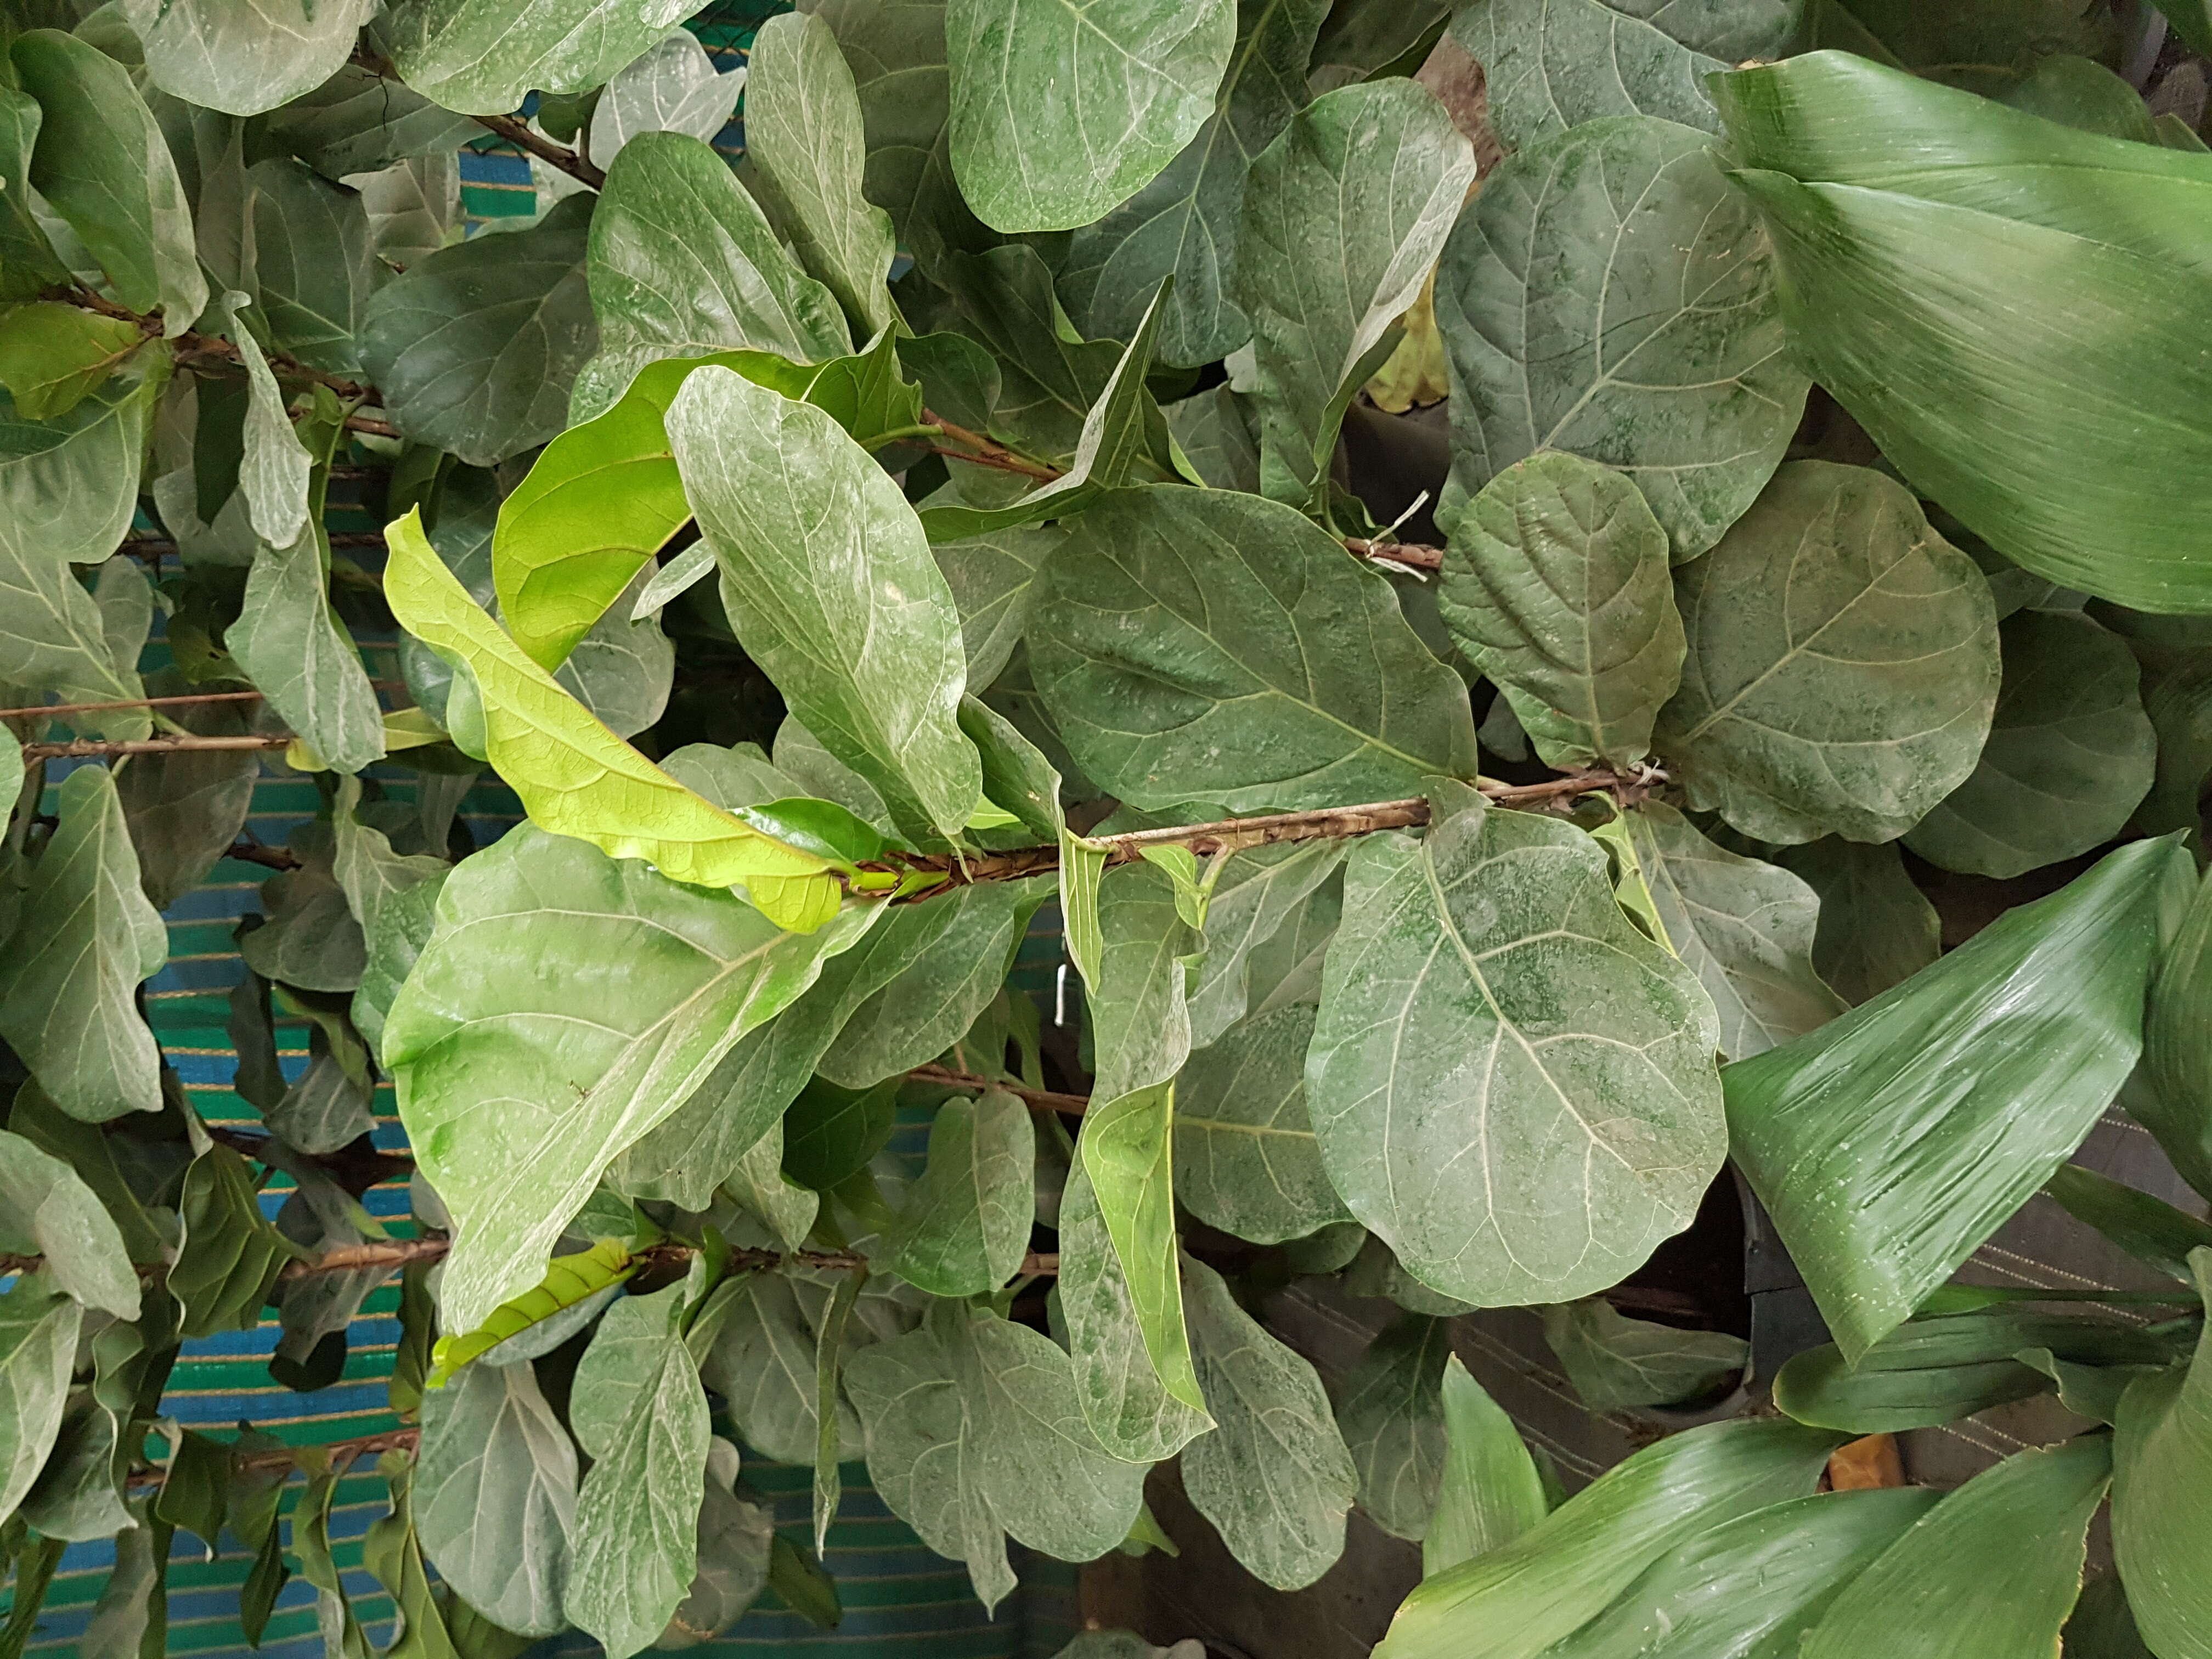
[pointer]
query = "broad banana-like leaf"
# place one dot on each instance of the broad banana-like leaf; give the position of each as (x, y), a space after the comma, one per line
(2162, 1497)
(1890, 1143)
(1491, 1491)
(2174, 1098)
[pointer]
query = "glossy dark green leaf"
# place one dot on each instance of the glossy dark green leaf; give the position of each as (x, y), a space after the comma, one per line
(2102, 1625)
(1060, 112)
(27, 261)
(2148, 1229)
(1344, 214)
(359, 122)
(1391, 1413)
(1992, 1570)
(1890, 1142)
(481, 56)
(185, 809)
(2161, 1443)
(230, 1255)
(2176, 1102)
(475, 348)
(1498, 935)
(1490, 1493)
(1614, 1361)
(1842, 666)
(1875, 926)
(1609, 294)
(1555, 1577)
(1178, 625)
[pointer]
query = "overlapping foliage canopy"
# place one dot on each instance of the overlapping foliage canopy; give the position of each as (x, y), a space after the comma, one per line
(1824, 384)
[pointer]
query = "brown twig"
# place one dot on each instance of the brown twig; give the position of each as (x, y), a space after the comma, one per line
(190, 344)
(518, 133)
(254, 852)
(1412, 554)
(369, 423)
(987, 451)
(1044, 1099)
(128, 703)
(80, 747)
(390, 1252)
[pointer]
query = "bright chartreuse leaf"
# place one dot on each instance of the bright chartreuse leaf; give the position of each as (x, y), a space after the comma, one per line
(690, 972)
(104, 167)
(674, 87)
(1552, 64)
(1555, 1577)
(52, 354)
(2161, 1448)
(1555, 585)
(1990, 1572)
(1745, 928)
(1061, 109)
(1490, 1492)
(806, 132)
(1842, 666)
(1875, 927)
(684, 263)
(830, 587)
(1274, 1475)
(973, 1432)
(575, 776)
(474, 349)
(1345, 212)
(84, 940)
(47, 1210)
(964, 1224)
(1614, 1361)
(639, 1412)
(1890, 196)
(1749, 1588)
(245, 58)
(495, 1495)
(1184, 223)
(1391, 1411)
(481, 56)
(1198, 644)
(1609, 294)
(39, 1327)
(1511, 1084)
(1245, 1156)
(2070, 753)
(1890, 1142)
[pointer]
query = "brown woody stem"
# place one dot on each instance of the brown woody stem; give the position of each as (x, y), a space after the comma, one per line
(518, 133)
(79, 747)
(44, 710)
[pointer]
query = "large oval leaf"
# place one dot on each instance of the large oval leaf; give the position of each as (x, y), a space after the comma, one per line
(1890, 1142)
(1843, 664)
(1609, 294)
(482, 56)
(1245, 1156)
(1199, 645)
(1511, 1084)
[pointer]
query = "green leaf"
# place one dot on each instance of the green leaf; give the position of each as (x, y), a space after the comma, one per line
(474, 349)
(52, 356)
(104, 167)
(1616, 1362)
(1039, 393)
(1184, 223)
(1753, 1585)
(289, 639)
(639, 1414)
(2161, 1447)
(274, 468)
(623, 669)
(736, 1541)
(1876, 927)
(1842, 666)
(1933, 1370)
(1217, 440)
(805, 131)
(1890, 1142)
(314, 267)
(2147, 1228)
(684, 263)
(1993, 1570)
(28, 263)
(2070, 753)
(1391, 1411)
(46, 1209)
(1275, 1476)
(360, 122)
(1589, 1129)
(1345, 213)
(829, 1346)
(2102, 1626)
(244, 59)
(575, 776)
(761, 1354)
(830, 1134)
(1555, 585)
(1552, 66)
(830, 589)
(690, 972)
(84, 941)
(230, 1255)
(674, 87)
(495, 1495)
(1245, 1158)
(1609, 293)
(1199, 645)
(993, 577)
(480, 57)
(1258, 894)
(973, 1432)
(1555, 1578)
(37, 1346)
(1059, 112)
(1746, 929)
(393, 896)
(1490, 1493)
(2067, 87)
(310, 941)
(965, 1223)
(2176, 1102)
(1861, 233)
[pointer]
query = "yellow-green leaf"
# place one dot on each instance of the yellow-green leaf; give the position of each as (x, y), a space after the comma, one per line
(568, 1280)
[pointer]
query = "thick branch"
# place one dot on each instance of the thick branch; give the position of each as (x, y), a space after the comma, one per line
(268, 858)
(518, 133)
(1412, 554)
(80, 747)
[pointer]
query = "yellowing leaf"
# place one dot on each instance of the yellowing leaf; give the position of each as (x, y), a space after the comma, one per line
(568, 1280)
(575, 776)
